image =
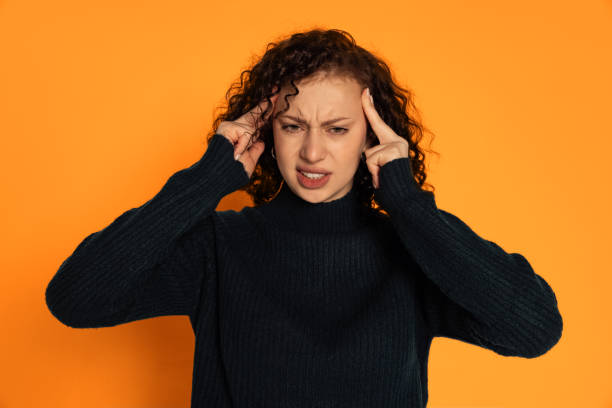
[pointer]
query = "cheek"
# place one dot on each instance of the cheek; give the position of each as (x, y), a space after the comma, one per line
(282, 147)
(280, 144)
(350, 156)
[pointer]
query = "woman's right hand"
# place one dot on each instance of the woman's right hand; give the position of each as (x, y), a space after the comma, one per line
(240, 130)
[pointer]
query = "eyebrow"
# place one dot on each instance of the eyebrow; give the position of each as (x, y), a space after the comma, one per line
(299, 120)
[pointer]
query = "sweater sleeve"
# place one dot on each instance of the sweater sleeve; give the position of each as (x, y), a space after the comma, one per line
(150, 260)
(474, 291)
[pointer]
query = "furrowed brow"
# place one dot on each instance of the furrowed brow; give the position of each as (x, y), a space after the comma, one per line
(300, 120)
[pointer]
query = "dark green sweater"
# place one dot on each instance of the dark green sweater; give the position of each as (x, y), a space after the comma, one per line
(298, 305)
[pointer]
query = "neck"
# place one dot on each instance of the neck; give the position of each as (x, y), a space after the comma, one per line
(288, 211)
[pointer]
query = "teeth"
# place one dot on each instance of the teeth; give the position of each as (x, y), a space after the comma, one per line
(312, 175)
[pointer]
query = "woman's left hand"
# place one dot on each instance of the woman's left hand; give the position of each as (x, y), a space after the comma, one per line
(391, 145)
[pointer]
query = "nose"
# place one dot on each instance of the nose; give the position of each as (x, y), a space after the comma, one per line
(313, 147)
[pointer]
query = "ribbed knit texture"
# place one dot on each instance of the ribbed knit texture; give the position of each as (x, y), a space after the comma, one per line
(298, 305)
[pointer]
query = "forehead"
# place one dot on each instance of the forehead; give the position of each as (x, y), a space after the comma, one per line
(330, 83)
(322, 95)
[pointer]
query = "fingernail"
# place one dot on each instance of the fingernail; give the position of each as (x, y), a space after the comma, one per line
(237, 156)
(371, 99)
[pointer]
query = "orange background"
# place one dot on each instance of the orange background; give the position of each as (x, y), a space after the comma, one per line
(100, 102)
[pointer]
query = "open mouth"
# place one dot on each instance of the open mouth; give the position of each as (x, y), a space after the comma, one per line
(313, 176)
(312, 180)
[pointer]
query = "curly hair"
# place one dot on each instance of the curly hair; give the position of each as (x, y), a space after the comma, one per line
(316, 51)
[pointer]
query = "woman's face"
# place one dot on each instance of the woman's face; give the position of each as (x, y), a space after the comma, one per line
(309, 140)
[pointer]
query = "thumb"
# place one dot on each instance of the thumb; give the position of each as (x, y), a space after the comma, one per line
(254, 152)
(374, 171)
(257, 149)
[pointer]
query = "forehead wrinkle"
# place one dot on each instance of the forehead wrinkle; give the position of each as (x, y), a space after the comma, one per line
(300, 118)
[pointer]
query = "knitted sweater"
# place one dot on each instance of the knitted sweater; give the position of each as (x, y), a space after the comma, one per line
(295, 304)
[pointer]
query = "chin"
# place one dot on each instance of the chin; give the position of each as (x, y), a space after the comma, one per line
(312, 195)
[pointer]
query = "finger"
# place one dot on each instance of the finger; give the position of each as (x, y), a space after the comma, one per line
(253, 117)
(382, 131)
(243, 141)
(257, 149)
(273, 102)
(373, 169)
(369, 152)
(262, 120)
(255, 123)
(254, 152)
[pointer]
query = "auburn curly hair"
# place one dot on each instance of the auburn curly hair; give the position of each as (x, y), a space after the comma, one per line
(302, 55)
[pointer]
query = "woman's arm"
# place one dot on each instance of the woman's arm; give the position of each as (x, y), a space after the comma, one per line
(151, 260)
(474, 291)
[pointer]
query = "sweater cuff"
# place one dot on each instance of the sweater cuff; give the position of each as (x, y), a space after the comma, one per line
(218, 167)
(396, 182)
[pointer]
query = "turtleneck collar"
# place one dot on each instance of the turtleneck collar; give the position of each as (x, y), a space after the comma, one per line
(289, 212)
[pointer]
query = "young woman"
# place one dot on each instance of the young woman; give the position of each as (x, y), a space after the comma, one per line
(329, 290)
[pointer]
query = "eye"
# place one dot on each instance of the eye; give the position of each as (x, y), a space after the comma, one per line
(284, 127)
(336, 130)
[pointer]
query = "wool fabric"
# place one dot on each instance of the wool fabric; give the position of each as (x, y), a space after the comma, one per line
(296, 304)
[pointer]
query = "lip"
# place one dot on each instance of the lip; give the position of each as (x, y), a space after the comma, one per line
(313, 170)
(312, 183)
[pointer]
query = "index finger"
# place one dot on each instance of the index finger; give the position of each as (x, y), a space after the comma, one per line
(378, 125)
(253, 117)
